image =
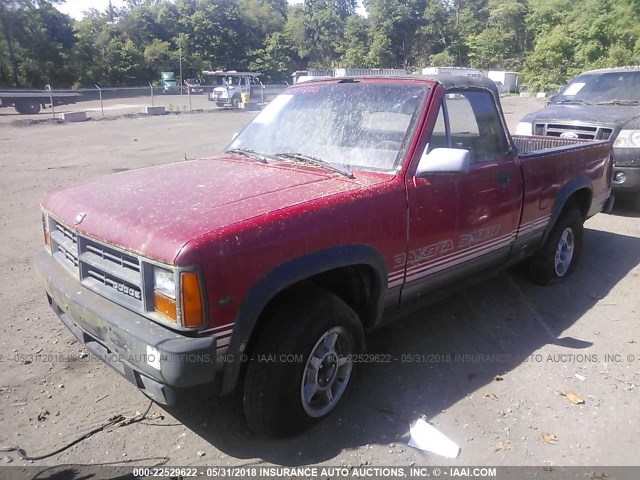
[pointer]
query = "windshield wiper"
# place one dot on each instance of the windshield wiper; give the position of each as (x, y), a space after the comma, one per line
(620, 102)
(573, 100)
(301, 157)
(246, 152)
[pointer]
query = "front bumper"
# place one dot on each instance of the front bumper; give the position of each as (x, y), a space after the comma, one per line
(160, 362)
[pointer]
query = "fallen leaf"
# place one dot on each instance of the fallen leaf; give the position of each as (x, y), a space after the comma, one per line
(502, 446)
(573, 398)
(549, 438)
(498, 378)
(42, 416)
(492, 396)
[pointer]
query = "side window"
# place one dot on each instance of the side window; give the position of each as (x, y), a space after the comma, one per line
(475, 125)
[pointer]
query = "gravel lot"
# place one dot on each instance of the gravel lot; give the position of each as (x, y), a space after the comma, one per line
(496, 409)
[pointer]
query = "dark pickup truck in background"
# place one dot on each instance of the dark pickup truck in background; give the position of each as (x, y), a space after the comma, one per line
(345, 203)
(598, 105)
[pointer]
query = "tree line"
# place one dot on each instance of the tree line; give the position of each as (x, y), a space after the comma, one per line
(548, 40)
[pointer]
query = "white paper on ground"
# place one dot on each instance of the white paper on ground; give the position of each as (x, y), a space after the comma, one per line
(427, 437)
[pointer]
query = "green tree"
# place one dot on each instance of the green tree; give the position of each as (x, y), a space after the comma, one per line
(355, 52)
(35, 43)
(394, 28)
(502, 41)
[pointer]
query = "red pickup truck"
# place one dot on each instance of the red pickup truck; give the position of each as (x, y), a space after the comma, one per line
(346, 202)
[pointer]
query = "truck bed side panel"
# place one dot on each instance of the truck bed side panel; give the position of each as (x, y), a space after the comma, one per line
(552, 174)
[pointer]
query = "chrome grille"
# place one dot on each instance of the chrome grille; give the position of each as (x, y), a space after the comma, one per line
(585, 132)
(64, 246)
(106, 270)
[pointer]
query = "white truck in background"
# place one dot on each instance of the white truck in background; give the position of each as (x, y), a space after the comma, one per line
(464, 72)
(231, 86)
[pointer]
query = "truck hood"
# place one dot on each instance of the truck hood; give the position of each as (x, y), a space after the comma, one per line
(155, 211)
(614, 115)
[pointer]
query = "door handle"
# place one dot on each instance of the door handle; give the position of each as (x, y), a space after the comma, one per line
(504, 179)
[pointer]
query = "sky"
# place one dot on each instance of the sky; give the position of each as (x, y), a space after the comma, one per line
(76, 7)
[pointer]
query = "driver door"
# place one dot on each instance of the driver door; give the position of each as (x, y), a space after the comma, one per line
(460, 224)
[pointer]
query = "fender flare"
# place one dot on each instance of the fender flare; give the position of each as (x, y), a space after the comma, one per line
(286, 275)
(569, 188)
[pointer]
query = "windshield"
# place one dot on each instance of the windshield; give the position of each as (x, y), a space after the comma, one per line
(356, 124)
(610, 87)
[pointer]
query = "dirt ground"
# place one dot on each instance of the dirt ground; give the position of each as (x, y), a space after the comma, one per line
(580, 337)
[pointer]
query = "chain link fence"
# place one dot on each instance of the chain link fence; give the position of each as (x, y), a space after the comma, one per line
(102, 102)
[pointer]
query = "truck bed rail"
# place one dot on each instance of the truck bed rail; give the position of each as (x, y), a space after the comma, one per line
(529, 144)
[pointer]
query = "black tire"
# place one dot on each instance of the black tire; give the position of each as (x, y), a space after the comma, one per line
(273, 388)
(561, 251)
(235, 101)
(28, 107)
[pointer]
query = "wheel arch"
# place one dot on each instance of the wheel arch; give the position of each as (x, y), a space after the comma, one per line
(577, 193)
(355, 273)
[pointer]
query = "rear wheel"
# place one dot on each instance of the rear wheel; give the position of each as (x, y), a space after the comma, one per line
(560, 253)
(28, 107)
(302, 365)
(235, 101)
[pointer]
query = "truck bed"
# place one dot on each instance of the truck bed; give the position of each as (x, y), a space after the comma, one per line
(547, 162)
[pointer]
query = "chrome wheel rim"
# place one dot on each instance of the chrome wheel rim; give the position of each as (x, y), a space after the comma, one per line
(564, 252)
(327, 372)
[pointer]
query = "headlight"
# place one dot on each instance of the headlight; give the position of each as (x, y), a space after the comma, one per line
(524, 128)
(164, 282)
(182, 302)
(164, 293)
(46, 232)
(628, 139)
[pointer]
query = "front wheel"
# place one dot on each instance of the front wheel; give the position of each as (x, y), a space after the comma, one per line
(560, 253)
(302, 364)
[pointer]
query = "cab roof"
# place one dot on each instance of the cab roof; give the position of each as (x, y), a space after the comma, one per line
(447, 81)
(630, 68)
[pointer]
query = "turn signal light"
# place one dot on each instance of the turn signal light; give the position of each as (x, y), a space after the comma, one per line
(165, 306)
(191, 294)
(45, 230)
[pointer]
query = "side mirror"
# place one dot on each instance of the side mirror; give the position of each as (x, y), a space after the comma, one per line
(444, 160)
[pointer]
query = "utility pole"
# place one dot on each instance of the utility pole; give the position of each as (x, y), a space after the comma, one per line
(180, 48)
